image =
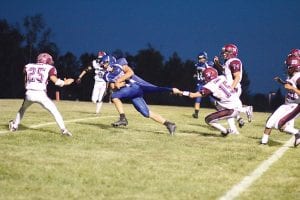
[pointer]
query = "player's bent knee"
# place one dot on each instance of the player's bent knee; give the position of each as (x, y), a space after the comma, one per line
(145, 113)
(208, 119)
(143, 110)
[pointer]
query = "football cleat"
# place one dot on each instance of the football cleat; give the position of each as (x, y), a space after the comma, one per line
(171, 128)
(195, 115)
(66, 132)
(249, 113)
(241, 122)
(11, 126)
(120, 122)
(229, 131)
(297, 139)
(263, 143)
(224, 134)
(234, 132)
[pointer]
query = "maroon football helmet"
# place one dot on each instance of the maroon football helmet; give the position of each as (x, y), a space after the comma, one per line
(293, 64)
(45, 58)
(229, 51)
(295, 52)
(101, 54)
(209, 74)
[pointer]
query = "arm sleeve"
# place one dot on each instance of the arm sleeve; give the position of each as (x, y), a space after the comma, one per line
(122, 61)
(235, 66)
(53, 72)
(205, 92)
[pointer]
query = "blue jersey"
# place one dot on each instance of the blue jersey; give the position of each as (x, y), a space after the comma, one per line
(117, 71)
(134, 89)
(202, 66)
(114, 74)
(199, 69)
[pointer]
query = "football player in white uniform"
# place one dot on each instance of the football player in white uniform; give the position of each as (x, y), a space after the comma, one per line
(36, 80)
(295, 52)
(284, 116)
(227, 100)
(233, 71)
(100, 85)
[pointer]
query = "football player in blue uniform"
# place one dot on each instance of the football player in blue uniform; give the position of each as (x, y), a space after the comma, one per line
(200, 66)
(125, 84)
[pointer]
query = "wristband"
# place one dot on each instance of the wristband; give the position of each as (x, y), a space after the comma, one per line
(186, 93)
(59, 83)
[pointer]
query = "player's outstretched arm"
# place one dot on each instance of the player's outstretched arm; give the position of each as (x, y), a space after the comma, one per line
(195, 94)
(61, 83)
(176, 91)
(87, 69)
(187, 93)
(68, 81)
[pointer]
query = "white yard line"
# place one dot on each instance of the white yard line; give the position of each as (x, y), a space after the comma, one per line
(237, 189)
(54, 123)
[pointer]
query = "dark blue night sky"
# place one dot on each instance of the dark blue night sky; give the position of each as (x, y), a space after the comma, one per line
(264, 30)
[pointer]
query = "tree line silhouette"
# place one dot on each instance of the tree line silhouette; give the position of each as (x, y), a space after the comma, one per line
(20, 44)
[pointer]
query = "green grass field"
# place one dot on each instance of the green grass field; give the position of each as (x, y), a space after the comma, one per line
(140, 161)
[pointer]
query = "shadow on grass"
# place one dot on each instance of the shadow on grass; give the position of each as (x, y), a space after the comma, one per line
(205, 134)
(97, 125)
(273, 143)
(87, 112)
(270, 143)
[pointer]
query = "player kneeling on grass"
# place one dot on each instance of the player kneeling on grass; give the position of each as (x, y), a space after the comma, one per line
(284, 116)
(227, 99)
(36, 79)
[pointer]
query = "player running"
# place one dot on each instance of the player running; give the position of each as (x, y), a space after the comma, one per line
(99, 85)
(284, 116)
(36, 80)
(125, 84)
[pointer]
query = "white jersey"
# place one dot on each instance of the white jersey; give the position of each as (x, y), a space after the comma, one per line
(291, 96)
(221, 90)
(99, 71)
(231, 66)
(37, 76)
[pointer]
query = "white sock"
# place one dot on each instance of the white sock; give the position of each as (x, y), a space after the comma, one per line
(265, 139)
(291, 130)
(98, 107)
(219, 127)
(232, 126)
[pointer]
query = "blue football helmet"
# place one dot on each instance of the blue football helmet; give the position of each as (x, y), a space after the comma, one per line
(202, 55)
(108, 59)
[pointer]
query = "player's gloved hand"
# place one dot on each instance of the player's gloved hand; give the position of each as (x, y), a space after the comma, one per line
(78, 81)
